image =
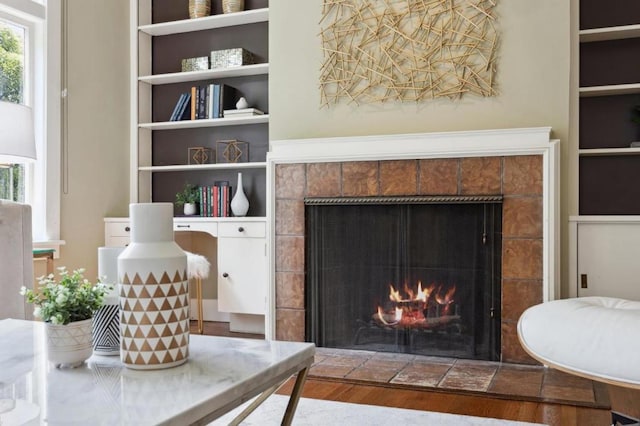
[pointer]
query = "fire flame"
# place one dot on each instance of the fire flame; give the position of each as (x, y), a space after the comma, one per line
(412, 307)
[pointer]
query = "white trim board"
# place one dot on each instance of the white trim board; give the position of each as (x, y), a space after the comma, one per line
(499, 142)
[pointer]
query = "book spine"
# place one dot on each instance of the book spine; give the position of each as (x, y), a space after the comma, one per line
(206, 102)
(176, 108)
(183, 114)
(201, 102)
(201, 196)
(215, 101)
(209, 212)
(194, 101)
(225, 204)
(216, 193)
(210, 101)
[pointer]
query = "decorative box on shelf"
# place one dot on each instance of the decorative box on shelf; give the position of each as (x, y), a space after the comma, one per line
(231, 58)
(195, 64)
(232, 151)
(201, 155)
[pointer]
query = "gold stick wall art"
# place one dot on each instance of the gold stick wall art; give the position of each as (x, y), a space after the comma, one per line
(407, 50)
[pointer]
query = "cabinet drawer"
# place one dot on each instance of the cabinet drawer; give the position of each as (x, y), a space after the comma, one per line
(117, 242)
(184, 225)
(243, 229)
(118, 229)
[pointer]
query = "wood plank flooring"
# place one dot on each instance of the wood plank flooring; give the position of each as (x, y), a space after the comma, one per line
(623, 400)
(550, 414)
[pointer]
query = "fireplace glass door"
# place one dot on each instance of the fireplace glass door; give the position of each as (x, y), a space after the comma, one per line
(404, 276)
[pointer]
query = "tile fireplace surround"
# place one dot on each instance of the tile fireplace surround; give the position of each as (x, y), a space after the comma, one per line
(520, 164)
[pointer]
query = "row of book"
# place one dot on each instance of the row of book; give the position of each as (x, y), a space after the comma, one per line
(200, 102)
(215, 201)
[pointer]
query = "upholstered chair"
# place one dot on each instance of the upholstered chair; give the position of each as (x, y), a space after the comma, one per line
(16, 259)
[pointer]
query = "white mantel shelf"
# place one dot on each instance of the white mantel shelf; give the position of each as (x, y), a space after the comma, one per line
(527, 141)
(481, 143)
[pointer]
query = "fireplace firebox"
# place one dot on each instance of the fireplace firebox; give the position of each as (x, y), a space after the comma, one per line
(417, 275)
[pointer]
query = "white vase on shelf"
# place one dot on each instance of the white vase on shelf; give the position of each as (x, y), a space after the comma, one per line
(239, 203)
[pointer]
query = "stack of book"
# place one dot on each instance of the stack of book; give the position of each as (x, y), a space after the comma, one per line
(215, 201)
(244, 112)
(204, 102)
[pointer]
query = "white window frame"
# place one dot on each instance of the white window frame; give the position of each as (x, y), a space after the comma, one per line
(42, 92)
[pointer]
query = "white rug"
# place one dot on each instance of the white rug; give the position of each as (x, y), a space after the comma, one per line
(320, 412)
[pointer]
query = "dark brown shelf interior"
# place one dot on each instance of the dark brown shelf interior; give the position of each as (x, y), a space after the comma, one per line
(610, 185)
(603, 13)
(605, 122)
(176, 10)
(609, 62)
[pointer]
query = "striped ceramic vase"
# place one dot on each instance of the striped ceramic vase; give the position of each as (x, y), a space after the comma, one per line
(154, 292)
(106, 322)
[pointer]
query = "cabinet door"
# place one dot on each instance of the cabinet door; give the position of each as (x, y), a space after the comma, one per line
(242, 275)
(608, 260)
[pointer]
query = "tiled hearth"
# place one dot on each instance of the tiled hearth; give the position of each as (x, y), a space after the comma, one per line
(518, 178)
(524, 382)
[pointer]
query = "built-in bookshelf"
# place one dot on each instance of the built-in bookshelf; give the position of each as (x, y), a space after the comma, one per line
(609, 166)
(160, 161)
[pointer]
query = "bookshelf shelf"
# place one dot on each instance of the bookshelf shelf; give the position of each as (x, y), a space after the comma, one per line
(602, 152)
(209, 122)
(609, 33)
(202, 167)
(613, 89)
(181, 77)
(206, 23)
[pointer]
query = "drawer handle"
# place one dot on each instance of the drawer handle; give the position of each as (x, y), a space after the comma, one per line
(225, 275)
(127, 229)
(241, 229)
(183, 226)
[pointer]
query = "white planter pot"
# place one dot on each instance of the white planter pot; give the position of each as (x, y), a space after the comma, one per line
(69, 345)
(189, 209)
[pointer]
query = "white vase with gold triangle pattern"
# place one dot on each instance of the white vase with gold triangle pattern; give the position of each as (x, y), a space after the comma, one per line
(154, 292)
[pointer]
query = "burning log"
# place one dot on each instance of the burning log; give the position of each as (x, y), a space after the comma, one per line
(426, 308)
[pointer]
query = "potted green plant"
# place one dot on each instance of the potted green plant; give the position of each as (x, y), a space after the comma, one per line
(67, 308)
(188, 197)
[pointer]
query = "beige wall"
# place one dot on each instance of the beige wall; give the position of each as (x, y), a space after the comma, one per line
(97, 171)
(533, 83)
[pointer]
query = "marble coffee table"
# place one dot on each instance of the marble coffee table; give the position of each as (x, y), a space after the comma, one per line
(221, 374)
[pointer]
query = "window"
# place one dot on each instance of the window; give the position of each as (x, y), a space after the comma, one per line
(12, 82)
(30, 58)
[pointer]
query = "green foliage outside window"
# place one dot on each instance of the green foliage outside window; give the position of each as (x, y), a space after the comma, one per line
(11, 78)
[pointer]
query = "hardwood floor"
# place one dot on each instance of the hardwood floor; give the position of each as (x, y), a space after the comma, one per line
(623, 400)
(550, 414)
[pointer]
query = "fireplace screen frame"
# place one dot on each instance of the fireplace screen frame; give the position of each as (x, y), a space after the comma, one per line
(489, 348)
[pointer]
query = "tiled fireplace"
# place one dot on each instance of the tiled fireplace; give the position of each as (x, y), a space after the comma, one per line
(518, 164)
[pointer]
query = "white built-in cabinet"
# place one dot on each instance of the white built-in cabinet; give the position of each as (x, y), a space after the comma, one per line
(161, 36)
(605, 235)
(240, 269)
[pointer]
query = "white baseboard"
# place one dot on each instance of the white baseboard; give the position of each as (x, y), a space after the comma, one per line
(246, 323)
(209, 310)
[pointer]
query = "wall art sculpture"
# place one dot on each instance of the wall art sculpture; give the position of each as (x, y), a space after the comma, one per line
(407, 50)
